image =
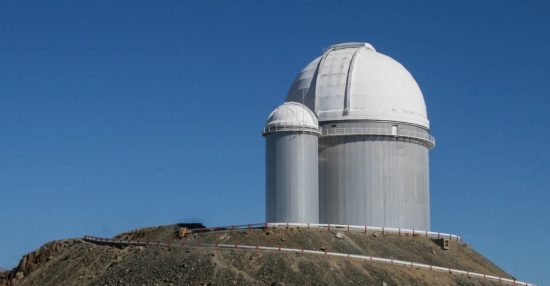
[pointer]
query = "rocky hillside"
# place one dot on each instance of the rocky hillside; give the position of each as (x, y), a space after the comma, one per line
(76, 262)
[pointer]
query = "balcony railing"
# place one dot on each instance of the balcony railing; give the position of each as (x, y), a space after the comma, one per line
(357, 131)
(351, 131)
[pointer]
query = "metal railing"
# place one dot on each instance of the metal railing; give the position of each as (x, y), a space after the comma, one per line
(302, 251)
(340, 227)
(354, 131)
(350, 131)
(274, 129)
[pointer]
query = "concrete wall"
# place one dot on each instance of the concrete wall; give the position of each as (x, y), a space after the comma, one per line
(374, 180)
(292, 181)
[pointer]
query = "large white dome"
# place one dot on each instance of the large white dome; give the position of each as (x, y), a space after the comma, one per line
(352, 81)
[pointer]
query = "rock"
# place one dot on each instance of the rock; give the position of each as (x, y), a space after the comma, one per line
(339, 235)
(375, 234)
(433, 252)
(324, 248)
(19, 275)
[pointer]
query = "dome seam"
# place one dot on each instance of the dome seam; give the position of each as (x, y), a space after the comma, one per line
(349, 77)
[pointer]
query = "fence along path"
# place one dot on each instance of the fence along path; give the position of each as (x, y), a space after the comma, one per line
(341, 227)
(408, 264)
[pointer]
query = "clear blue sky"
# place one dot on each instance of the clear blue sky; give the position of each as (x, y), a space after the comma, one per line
(115, 116)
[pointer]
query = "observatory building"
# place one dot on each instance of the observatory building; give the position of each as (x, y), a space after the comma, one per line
(350, 144)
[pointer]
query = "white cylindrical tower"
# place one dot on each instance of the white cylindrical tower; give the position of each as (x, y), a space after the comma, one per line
(373, 150)
(292, 181)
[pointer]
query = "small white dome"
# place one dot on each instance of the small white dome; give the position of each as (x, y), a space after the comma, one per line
(292, 116)
(352, 81)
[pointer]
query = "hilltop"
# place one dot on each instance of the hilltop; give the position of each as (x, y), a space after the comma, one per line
(77, 262)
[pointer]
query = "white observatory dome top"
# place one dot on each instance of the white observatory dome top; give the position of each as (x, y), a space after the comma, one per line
(292, 116)
(352, 81)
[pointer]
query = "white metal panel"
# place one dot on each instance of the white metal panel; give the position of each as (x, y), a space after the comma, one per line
(379, 88)
(292, 182)
(302, 89)
(382, 89)
(374, 180)
(332, 81)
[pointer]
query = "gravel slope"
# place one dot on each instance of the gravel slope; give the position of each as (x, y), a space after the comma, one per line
(75, 262)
